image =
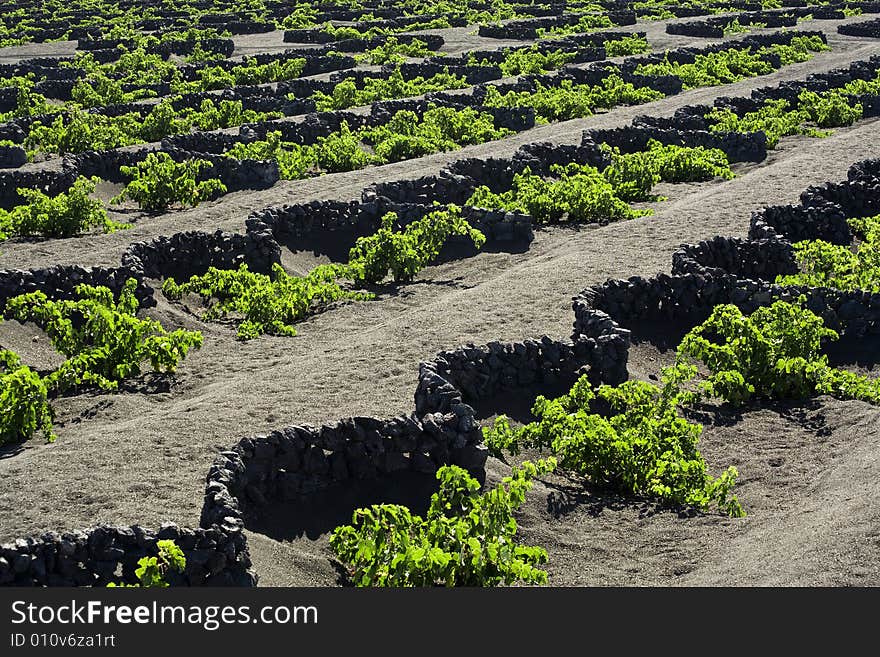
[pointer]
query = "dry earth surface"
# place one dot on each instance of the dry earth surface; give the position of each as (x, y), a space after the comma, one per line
(809, 472)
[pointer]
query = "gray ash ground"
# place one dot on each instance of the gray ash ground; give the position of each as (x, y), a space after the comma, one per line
(809, 472)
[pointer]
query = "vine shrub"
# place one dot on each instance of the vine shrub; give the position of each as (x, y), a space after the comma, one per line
(439, 129)
(830, 109)
(24, 404)
(822, 264)
(268, 304)
(225, 114)
(586, 23)
(633, 175)
(571, 101)
(405, 253)
(629, 45)
(28, 101)
(294, 161)
(342, 151)
(97, 89)
(392, 51)
(774, 352)
(643, 448)
(76, 131)
(800, 49)
(158, 182)
(466, 539)
(406, 135)
(103, 339)
(273, 304)
(728, 66)
(777, 119)
(346, 93)
(152, 571)
(532, 61)
(582, 193)
(65, 215)
(711, 69)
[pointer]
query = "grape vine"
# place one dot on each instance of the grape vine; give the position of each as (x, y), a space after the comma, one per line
(582, 193)
(158, 181)
(104, 342)
(65, 215)
(466, 539)
(644, 447)
(274, 304)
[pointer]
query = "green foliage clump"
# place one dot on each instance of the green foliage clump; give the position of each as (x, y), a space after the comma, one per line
(711, 69)
(158, 181)
(346, 94)
(202, 55)
(77, 131)
(774, 352)
(735, 27)
(392, 51)
(250, 72)
(164, 120)
(28, 101)
(342, 151)
(211, 78)
(98, 89)
(439, 129)
(406, 135)
(466, 539)
(225, 114)
(23, 401)
(644, 448)
(823, 264)
(629, 45)
(104, 343)
(104, 340)
(633, 175)
(831, 109)
(161, 121)
(582, 193)
(571, 101)
(726, 66)
(301, 17)
(65, 215)
(775, 119)
(294, 161)
(268, 304)
(274, 304)
(405, 253)
(586, 23)
(800, 49)
(152, 571)
(532, 60)
(138, 66)
(659, 14)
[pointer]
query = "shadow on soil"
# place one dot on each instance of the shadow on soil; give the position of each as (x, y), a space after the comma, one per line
(324, 511)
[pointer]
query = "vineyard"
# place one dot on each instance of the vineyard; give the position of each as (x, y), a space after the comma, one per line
(376, 293)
